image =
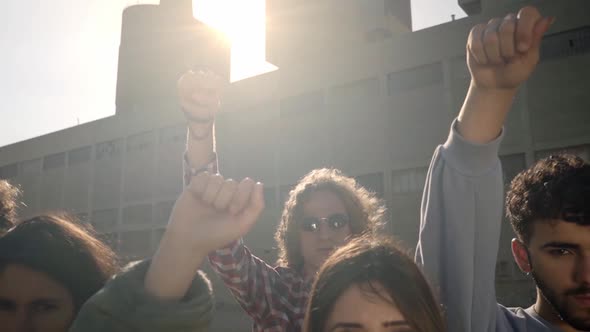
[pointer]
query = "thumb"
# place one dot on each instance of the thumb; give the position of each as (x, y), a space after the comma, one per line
(248, 217)
(540, 29)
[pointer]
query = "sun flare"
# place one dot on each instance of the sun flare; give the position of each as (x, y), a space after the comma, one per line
(244, 23)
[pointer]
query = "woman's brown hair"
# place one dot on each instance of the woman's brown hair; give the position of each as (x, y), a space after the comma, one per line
(9, 201)
(59, 247)
(377, 265)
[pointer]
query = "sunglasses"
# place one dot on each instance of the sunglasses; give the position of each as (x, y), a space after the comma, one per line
(312, 224)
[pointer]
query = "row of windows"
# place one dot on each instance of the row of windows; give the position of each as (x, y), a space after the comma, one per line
(111, 149)
(402, 182)
(567, 43)
(133, 215)
(133, 245)
(397, 82)
(311, 101)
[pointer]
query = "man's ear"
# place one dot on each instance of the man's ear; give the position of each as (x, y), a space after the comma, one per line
(521, 256)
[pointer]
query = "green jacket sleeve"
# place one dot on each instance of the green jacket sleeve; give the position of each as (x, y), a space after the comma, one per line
(124, 305)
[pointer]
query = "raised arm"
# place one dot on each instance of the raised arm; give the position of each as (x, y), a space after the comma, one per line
(208, 215)
(199, 94)
(461, 209)
(169, 293)
(501, 55)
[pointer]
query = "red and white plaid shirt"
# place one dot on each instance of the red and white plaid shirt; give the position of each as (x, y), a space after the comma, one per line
(274, 297)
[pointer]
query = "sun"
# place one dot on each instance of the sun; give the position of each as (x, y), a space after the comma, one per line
(244, 23)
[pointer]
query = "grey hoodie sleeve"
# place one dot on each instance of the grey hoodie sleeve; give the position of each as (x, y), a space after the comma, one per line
(460, 223)
(124, 305)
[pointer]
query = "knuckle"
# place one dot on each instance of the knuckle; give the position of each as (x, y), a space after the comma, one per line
(490, 38)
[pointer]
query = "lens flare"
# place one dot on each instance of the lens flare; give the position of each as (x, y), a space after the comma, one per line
(244, 22)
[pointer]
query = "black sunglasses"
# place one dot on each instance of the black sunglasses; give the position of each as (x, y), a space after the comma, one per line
(312, 224)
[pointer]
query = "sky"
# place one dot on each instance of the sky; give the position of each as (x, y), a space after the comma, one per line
(58, 62)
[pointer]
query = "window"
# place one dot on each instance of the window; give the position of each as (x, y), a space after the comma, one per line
(135, 245)
(110, 149)
(414, 78)
(9, 171)
(173, 135)
(355, 91)
(137, 214)
(512, 165)
(582, 151)
(140, 142)
(31, 167)
(409, 180)
(79, 155)
(54, 161)
(567, 43)
(308, 102)
(104, 220)
(372, 182)
(163, 211)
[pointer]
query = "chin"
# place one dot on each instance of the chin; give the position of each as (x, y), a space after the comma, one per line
(578, 318)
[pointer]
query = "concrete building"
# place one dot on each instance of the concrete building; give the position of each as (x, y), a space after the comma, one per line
(356, 90)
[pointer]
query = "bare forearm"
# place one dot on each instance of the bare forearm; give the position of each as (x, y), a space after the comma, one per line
(484, 112)
(199, 151)
(172, 270)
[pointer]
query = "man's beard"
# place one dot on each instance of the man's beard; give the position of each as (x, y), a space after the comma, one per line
(562, 307)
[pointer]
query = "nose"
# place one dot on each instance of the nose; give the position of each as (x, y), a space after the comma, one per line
(583, 270)
(324, 232)
(17, 321)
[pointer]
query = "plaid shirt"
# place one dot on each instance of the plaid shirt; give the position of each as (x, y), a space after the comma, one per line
(274, 297)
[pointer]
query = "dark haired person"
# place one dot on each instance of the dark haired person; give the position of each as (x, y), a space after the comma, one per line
(462, 203)
(54, 277)
(49, 267)
(322, 212)
(371, 285)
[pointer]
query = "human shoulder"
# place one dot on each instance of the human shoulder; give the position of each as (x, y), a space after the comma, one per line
(519, 319)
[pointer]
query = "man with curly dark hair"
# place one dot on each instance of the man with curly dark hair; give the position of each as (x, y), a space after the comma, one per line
(548, 206)
(322, 212)
(9, 198)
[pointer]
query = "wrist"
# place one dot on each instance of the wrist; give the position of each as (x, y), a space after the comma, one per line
(179, 248)
(492, 92)
(200, 131)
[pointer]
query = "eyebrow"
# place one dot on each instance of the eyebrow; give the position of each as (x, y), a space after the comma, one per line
(47, 300)
(557, 244)
(395, 323)
(351, 325)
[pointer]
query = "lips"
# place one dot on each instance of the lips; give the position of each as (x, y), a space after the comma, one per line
(583, 300)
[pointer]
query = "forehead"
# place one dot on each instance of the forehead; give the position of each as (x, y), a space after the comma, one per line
(358, 305)
(323, 203)
(22, 284)
(560, 231)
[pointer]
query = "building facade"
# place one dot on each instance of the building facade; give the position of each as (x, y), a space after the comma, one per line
(373, 100)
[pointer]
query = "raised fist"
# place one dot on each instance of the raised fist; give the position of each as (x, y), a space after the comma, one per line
(503, 53)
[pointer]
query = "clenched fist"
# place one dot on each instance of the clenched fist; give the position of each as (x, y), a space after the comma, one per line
(503, 53)
(212, 212)
(199, 93)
